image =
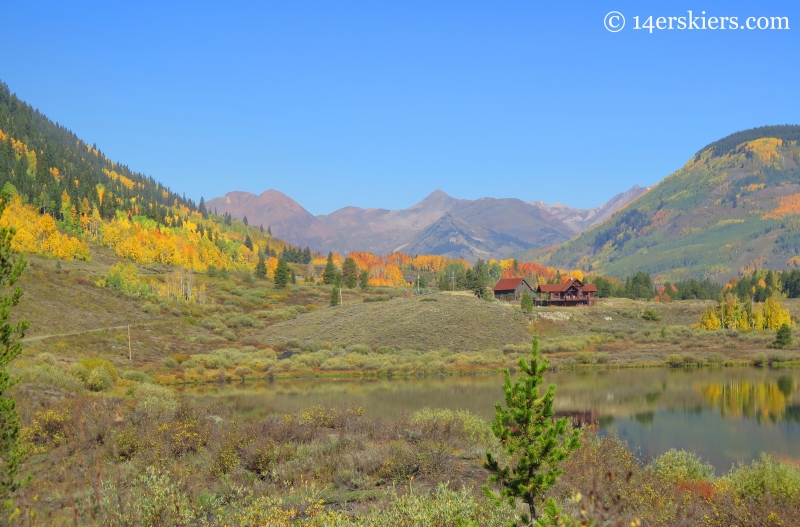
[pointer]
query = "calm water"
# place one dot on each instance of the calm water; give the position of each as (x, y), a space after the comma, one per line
(724, 414)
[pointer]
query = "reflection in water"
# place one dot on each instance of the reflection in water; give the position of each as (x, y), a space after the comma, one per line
(723, 414)
(763, 400)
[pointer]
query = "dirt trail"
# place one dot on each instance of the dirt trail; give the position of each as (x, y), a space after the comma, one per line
(43, 337)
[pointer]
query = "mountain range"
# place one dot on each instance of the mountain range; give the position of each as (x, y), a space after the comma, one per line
(732, 208)
(439, 224)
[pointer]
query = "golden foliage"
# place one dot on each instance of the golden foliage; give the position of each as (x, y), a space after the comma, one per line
(731, 313)
(128, 183)
(38, 233)
(787, 206)
(766, 148)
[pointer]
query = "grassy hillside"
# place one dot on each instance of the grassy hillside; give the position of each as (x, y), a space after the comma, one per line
(732, 208)
(454, 321)
(248, 328)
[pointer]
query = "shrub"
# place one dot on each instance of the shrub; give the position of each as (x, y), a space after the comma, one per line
(677, 466)
(46, 358)
(376, 298)
(675, 361)
(310, 346)
(156, 397)
(79, 371)
(180, 358)
(651, 315)
(442, 507)
(94, 362)
(359, 348)
(766, 475)
(136, 376)
(759, 359)
(688, 360)
(440, 424)
(151, 309)
(98, 380)
(715, 359)
(584, 358)
(601, 358)
(169, 362)
(243, 372)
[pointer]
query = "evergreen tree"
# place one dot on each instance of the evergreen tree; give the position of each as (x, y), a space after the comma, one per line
(282, 274)
(248, 242)
(526, 303)
(244, 220)
(11, 267)
(201, 208)
(478, 279)
(261, 268)
(784, 336)
(639, 285)
(350, 273)
(363, 280)
(329, 274)
(335, 296)
(422, 282)
(533, 441)
(269, 230)
(307, 256)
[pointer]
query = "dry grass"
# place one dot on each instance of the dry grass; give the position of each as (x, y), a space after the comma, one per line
(455, 322)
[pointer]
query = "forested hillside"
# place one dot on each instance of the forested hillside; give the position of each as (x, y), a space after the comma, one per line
(63, 196)
(731, 209)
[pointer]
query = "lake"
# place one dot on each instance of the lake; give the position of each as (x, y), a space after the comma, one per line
(723, 414)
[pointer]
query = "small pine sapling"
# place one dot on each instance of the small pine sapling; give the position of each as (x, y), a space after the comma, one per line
(530, 436)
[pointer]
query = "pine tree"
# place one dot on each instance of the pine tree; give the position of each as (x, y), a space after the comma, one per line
(534, 441)
(282, 274)
(329, 274)
(269, 230)
(244, 220)
(261, 268)
(201, 208)
(784, 336)
(363, 280)
(11, 267)
(350, 273)
(248, 242)
(335, 296)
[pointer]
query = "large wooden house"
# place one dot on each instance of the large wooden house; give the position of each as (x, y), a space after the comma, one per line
(573, 292)
(512, 289)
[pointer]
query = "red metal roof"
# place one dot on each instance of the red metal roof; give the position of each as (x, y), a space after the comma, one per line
(559, 288)
(552, 288)
(507, 284)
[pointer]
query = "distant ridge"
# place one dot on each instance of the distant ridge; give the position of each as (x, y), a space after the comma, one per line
(733, 208)
(726, 145)
(437, 224)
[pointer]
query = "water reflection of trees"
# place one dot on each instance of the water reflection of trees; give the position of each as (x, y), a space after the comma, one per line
(764, 401)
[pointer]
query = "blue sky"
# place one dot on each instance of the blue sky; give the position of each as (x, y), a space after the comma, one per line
(379, 103)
